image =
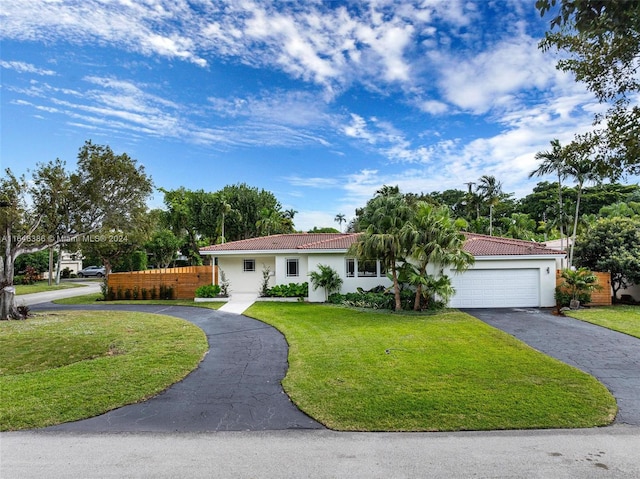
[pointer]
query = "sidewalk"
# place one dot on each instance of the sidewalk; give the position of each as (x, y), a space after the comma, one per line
(38, 298)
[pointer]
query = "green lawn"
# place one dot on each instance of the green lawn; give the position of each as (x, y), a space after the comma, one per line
(64, 366)
(368, 371)
(43, 286)
(622, 318)
(94, 299)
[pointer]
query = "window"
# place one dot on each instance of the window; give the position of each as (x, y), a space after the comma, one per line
(292, 267)
(351, 267)
(367, 268)
(249, 265)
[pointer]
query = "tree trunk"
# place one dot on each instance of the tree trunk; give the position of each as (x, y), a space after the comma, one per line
(396, 287)
(575, 225)
(8, 308)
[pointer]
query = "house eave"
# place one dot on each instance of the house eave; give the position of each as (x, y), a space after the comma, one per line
(506, 257)
(262, 252)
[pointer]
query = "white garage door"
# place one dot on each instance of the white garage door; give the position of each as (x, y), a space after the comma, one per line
(496, 288)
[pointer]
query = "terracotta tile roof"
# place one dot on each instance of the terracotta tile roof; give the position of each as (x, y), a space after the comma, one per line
(476, 244)
(339, 241)
(483, 245)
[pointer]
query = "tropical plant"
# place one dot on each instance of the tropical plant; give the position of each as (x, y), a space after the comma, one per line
(207, 291)
(490, 190)
(578, 282)
(553, 162)
(384, 216)
(578, 166)
(326, 278)
(340, 218)
(435, 240)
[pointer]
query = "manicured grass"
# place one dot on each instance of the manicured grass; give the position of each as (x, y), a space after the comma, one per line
(43, 286)
(366, 371)
(63, 366)
(94, 299)
(622, 318)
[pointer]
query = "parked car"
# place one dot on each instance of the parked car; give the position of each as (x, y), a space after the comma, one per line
(97, 271)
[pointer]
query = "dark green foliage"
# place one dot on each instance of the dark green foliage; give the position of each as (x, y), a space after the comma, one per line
(166, 292)
(38, 261)
(374, 300)
(65, 273)
(291, 290)
(144, 293)
(128, 294)
(154, 293)
(208, 291)
(564, 297)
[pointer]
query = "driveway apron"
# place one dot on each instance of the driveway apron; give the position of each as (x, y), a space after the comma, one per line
(612, 357)
(236, 387)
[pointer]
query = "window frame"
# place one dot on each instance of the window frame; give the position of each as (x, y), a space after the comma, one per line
(295, 261)
(247, 261)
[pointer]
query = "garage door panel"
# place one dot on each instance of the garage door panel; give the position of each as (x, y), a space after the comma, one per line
(495, 288)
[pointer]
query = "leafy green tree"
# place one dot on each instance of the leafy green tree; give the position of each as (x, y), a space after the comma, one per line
(163, 246)
(104, 192)
(601, 42)
(326, 278)
(384, 216)
(519, 226)
(315, 229)
(612, 244)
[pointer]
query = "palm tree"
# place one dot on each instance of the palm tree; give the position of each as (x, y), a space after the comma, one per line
(385, 216)
(553, 162)
(435, 240)
(326, 278)
(340, 218)
(491, 189)
(225, 209)
(581, 168)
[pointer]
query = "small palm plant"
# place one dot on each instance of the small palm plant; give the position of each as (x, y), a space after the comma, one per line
(578, 283)
(326, 278)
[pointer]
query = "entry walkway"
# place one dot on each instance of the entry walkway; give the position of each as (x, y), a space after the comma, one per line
(45, 297)
(612, 357)
(239, 302)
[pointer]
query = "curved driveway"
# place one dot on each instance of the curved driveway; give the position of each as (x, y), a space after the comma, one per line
(236, 387)
(612, 357)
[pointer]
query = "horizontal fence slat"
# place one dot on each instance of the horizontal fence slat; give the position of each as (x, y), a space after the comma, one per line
(185, 280)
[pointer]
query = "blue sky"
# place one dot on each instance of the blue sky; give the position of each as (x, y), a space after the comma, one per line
(319, 102)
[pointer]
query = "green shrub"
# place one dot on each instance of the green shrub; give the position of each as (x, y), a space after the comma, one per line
(563, 297)
(18, 279)
(291, 290)
(166, 292)
(119, 293)
(144, 293)
(208, 291)
(374, 300)
(154, 293)
(65, 273)
(127, 294)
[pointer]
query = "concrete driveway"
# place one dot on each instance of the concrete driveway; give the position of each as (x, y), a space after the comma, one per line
(612, 357)
(236, 387)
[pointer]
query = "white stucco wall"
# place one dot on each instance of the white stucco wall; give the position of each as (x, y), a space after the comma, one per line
(241, 281)
(337, 261)
(281, 269)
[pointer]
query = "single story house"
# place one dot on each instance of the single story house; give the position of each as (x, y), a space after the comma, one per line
(507, 272)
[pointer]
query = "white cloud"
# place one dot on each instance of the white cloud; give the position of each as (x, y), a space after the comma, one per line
(22, 67)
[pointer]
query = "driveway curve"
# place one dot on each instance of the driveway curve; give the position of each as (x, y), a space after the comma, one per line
(236, 387)
(612, 357)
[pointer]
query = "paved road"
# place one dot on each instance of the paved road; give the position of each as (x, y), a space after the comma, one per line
(612, 357)
(235, 388)
(40, 298)
(594, 453)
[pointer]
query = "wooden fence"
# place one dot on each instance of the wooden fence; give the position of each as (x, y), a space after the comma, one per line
(184, 281)
(600, 297)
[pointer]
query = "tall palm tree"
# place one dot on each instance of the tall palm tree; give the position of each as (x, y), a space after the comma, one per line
(582, 169)
(385, 217)
(491, 190)
(340, 218)
(435, 240)
(553, 162)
